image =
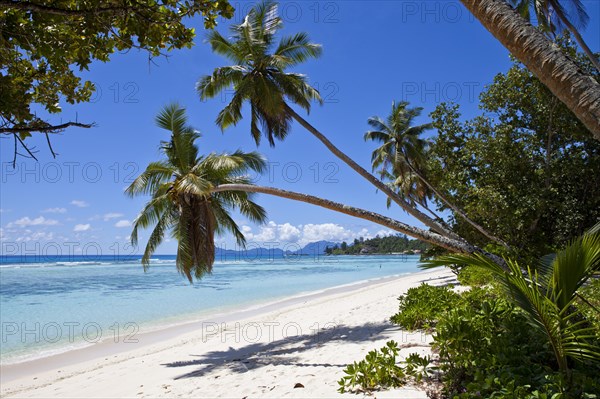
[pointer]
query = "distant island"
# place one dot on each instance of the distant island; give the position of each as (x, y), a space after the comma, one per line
(396, 244)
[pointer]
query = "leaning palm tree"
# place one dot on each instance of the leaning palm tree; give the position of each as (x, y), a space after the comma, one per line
(401, 158)
(181, 202)
(577, 90)
(553, 17)
(192, 196)
(258, 76)
(547, 293)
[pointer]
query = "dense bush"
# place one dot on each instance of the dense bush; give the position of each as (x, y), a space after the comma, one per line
(589, 302)
(529, 332)
(474, 277)
(421, 307)
(487, 348)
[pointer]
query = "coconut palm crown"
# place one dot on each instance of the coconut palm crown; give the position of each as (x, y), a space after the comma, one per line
(258, 73)
(402, 151)
(182, 203)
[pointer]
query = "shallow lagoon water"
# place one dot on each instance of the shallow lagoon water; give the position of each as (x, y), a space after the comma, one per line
(52, 305)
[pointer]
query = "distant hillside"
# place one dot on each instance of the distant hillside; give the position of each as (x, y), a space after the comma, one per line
(317, 248)
(379, 245)
(313, 248)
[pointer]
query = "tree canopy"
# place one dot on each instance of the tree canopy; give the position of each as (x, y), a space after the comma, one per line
(44, 44)
(526, 169)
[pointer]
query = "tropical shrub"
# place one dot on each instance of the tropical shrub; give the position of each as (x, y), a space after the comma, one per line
(589, 303)
(535, 338)
(419, 367)
(377, 371)
(474, 277)
(421, 307)
(487, 348)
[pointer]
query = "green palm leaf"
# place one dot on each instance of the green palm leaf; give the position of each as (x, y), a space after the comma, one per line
(548, 298)
(259, 75)
(182, 202)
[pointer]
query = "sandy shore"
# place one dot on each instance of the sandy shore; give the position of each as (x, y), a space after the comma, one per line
(264, 352)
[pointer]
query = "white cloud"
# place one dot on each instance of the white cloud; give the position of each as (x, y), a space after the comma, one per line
(54, 210)
(80, 204)
(111, 215)
(37, 236)
(288, 233)
(385, 233)
(273, 232)
(123, 223)
(304, 234)
(328, 232)
(81, 227)
(39, 221)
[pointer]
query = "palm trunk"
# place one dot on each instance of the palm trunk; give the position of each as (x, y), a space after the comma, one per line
(424, 235)
(436, 217)
(579, 92)
(373, 180)
(454, 208)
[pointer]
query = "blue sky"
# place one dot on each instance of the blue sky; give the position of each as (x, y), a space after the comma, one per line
(374, 52)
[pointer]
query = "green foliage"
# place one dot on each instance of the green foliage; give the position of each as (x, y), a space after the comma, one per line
(548, 297)
(43, 45)
(526, 169)
(529, 334)
(182, 202)
(258, 75)
(487, 348)
(377, 371)
(422, 307)
(418, 367)
(398, 243)
(588, 302)
(474, 277)
(402, 152)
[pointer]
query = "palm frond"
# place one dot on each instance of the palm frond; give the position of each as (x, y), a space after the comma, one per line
(172, 118)
(182, 201)
(156, 174)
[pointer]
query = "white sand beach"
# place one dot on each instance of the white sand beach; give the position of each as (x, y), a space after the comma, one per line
(305, 340)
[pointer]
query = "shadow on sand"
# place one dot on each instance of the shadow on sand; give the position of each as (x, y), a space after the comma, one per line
(256, 355)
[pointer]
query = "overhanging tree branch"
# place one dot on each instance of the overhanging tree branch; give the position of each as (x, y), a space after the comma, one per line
(44, 129)
(30, 6)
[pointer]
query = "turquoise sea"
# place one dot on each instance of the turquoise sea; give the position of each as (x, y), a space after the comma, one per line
(55, 304)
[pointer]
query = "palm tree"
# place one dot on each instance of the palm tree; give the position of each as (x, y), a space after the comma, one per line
(259, 77)
(192, 196)
(577, 90)
(548, 292)
(402, 156)
(400, 141)
(553, 17)
(181, 202)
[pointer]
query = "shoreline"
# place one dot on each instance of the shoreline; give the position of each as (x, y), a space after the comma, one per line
(44, 372)
(164, 326)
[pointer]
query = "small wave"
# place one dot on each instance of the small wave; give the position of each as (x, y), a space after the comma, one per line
(159, 261)
(83, 263)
